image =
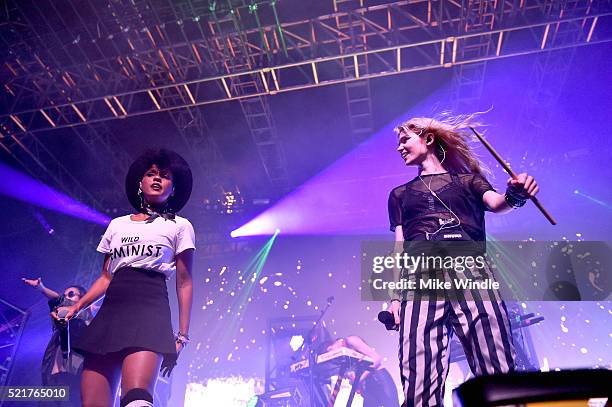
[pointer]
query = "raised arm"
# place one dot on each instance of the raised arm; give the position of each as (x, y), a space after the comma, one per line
(38, 284)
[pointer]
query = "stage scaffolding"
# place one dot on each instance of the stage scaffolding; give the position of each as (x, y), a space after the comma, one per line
(12, 323)
(69, 66)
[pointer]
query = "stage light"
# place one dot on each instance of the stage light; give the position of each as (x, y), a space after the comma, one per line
(348, 197)
(261, 227)
(296, 342)
(21, 187)
(231, 202)
(43, 222)
(593, 199)
(222, 391)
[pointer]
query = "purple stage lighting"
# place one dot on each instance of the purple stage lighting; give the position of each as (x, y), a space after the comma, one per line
(43, 222)
(21, 187)
(348, 197)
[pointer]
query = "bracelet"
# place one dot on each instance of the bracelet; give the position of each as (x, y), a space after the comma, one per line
(182, 338)
(513, 201)
(396, 299)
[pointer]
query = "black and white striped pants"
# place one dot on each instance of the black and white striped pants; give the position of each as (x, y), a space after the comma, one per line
(482, 327)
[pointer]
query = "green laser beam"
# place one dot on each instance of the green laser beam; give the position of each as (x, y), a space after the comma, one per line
(251, 278)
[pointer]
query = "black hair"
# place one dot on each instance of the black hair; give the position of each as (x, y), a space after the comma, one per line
(82, 290)
(164, 160)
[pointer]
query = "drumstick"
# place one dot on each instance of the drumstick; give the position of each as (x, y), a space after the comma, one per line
(506, 167)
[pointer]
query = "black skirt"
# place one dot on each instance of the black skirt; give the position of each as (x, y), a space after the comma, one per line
(135, 314)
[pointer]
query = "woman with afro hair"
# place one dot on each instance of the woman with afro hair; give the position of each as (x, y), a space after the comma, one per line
(131, 338)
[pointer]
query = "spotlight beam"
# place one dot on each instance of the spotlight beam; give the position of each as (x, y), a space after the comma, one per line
(23, 188)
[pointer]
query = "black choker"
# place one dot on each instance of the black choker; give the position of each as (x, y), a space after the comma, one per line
(165, 213)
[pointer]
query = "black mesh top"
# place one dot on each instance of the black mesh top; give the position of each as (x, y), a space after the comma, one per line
(414, 208)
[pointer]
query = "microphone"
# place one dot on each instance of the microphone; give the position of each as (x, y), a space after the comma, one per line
(388, 320)
(62, 313)
(64, 333)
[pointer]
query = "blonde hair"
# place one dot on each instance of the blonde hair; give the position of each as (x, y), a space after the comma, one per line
(452, 136)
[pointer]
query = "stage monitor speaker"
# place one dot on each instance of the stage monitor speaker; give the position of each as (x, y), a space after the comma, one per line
(563, 386)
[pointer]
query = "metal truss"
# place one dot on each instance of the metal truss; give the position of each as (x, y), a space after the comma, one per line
(12, 323)
(402, 36)
(190, 122)
(196, 135)
(168, 67)
(468, 79)
(41, 163)
(32, 155)
(250, 89)
(263, 131)
(548, 75)
(28, 150)
(103, 146)
(146, 56)
(358, 94)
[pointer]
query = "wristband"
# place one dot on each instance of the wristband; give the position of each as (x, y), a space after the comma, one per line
(513, 201)
(182, 338)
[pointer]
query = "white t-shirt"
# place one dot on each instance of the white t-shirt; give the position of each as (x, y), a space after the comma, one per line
(151, 246)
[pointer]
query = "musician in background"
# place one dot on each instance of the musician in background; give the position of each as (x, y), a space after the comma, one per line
(57, 370)
(375, 384)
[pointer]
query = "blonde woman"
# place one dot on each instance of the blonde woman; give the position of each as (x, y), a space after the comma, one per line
(447, 201)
